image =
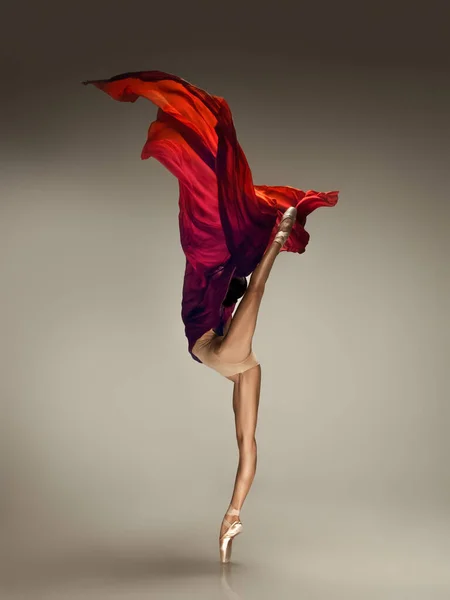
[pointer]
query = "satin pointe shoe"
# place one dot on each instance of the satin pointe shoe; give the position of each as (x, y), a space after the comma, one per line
(282, 236)
(225, 542)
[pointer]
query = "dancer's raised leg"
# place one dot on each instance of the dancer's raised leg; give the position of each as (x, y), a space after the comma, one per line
(237, 344)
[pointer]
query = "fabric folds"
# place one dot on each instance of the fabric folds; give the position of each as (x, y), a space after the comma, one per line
(226, 222)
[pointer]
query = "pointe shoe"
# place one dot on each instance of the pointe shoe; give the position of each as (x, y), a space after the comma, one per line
(225, 542)
(282, 236)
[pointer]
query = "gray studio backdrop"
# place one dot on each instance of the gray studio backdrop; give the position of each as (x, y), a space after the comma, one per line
(109, 430)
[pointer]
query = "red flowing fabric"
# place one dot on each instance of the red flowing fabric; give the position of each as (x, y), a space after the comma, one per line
(226, 222)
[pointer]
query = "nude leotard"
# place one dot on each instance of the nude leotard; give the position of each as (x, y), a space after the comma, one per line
(204, 351)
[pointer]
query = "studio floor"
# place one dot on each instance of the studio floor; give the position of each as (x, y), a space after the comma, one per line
(325, 553)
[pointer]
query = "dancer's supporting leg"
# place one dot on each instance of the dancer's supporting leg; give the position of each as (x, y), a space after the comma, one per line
(245, 405)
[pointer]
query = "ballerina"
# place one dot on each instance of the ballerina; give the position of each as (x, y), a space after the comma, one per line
(230, 229)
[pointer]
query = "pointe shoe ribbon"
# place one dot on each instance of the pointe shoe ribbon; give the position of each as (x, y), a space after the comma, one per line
(231, 511)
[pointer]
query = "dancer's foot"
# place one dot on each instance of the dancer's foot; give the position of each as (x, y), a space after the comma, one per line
(231, 527)
(286, 224)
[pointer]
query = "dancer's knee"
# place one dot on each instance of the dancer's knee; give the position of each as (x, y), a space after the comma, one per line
(246, 443)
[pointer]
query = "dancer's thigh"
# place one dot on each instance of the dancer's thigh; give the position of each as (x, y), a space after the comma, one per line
(237, 344)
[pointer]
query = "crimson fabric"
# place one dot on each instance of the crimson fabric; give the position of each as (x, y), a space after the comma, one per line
(226, 222)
